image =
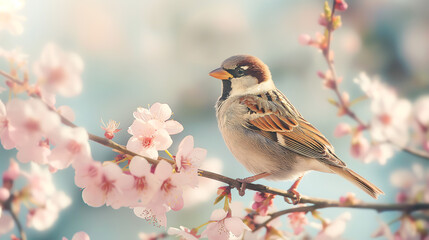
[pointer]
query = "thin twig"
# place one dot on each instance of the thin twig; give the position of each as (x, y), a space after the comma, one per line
(7, 206)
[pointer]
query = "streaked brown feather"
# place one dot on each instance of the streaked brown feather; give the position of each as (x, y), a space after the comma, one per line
(298, 135)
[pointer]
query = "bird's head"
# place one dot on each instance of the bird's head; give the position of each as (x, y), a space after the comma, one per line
(243, 74)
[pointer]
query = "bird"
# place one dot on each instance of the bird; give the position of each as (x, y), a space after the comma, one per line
(267, 134)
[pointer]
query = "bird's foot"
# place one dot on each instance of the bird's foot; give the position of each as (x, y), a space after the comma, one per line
(245, 181)
(296, 197)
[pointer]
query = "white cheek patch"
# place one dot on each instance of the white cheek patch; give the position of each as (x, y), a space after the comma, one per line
(245, 67)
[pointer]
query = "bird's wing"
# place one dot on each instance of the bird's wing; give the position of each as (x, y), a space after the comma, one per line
(274, 117)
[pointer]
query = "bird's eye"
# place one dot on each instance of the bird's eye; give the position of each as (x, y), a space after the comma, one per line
(239, 72)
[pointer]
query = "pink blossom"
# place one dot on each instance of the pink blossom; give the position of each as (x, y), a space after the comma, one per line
(413, 185)
(110, 128)
(349, 199)
(383, 231)
(44, 217)
(170, 190)
(71, 145)
(341, 5)
(359, 146)
(342, 129)
(153, 212)
(408, 230)
(12, 172)
(6, 224)
(184, 233)
(108, 189)
(380, 152)
(334, 229)
(37, 153)
(262, 201)
(66, 112)
(159, 112)
(81, 236)
(9, 19)
(297, 221)
(40, 183)
(15, 57)
(421, 121)
(58, 72)
(148, 138)
(4, 194)
(6, 141)
(305, 39)
(145, 183)
(222, 226)
(189, 159)
(30, 120)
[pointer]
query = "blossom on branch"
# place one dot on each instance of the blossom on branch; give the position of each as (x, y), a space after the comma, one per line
(421, 121)
(161, 113)
(223, 225)
(189, 159)
(9, 19)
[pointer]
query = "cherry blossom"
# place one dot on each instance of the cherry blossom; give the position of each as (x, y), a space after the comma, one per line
(222, 226)
(148, 138)
(6, 141)
(262, 201)
(30, 120)
(40, 183)
(58, 72)
(145, 183)
(184, 233)
(161, 113)
(4, 194)
(110, 128)
(6, 223)
(12, 172)
(106, 187)
(9, 19)
(383, 231)
(297, 221)
(333, 230)
(359, 147)
(43, 217)
(413, 185)
(79, 236)
(380, 152)
(189, 159)
(155, 212)
(37, 153)
(15, 57)
(71, 144)
(342, 129)
(421, 121)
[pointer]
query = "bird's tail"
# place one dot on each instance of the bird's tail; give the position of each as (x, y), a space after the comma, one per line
(358, 180)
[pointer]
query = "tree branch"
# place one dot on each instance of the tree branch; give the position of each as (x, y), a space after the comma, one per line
(7, 206)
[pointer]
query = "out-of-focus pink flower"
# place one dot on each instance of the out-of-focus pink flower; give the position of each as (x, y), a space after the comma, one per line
(58, 72)
(6, 141)
(380, 152)
(80, 236)
(43, 217)
(145, 183)
(161, 113)
(151, 236)
(408, 230)
(342, 129)
(15, 57)
(4, 194)
(189, 159)
(66, 112)
(349, 199)
(30, 120)
(334, 229)
(109, 189)
(359, 146)
(71, 145)
(37, 153)
(6, 223)
(41, 185)
(184, 233)
(421, 121)
(297, 221)
(323, 20)
(341, 5)
(153, 212)
(9, 19)
(110, 128)
(87, 173)
(12, 172)
(305, 39)
(148, 138)
(222, 226)
(413, 185)
(383, 231)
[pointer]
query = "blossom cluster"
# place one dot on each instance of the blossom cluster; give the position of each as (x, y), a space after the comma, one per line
(39, 195)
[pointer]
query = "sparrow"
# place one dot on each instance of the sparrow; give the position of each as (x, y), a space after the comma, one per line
(267, 134)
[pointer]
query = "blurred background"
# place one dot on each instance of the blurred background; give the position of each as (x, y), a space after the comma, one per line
(141, 52)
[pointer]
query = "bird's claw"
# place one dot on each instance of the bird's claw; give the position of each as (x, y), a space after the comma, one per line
(295, 199)
(242, 189)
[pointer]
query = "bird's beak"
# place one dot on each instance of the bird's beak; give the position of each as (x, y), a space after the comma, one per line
(221, 74)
